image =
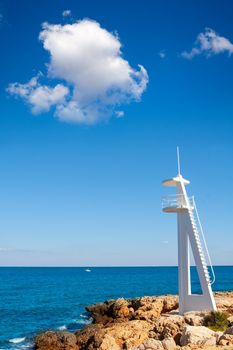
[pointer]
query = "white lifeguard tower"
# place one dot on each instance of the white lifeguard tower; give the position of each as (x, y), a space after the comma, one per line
(189, 231)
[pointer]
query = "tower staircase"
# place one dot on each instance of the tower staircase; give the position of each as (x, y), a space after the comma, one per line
(201, 243)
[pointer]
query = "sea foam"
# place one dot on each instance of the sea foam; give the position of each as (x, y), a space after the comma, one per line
(17, 340)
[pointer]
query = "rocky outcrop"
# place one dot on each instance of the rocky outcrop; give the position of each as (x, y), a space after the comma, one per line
(122, 335)
(148, 323)
(224, 301)
(146, 308)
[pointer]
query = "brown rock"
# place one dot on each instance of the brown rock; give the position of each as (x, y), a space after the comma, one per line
(150, 308)
(146, 308)
(109, 343)
(99, 312)
(119, 335)
(224, 301)
(91, 336)
(56, 341)
(169, 326)
(145, 323)
(120, 309)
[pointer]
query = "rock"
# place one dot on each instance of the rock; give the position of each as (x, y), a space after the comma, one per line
(226, 339)
(169, 326)
(146, 308)
(56, 341)
(230, 319)
(147, 323)
(120, 309)
(170, 303)
(218, 336)
(150, 344)
(224, 301)
(99, 312)
(169, 344)
(109, 343)
(194, 318)
(92, 335)
(126, 335)
(197, 336)
(229, 331)
(150, 308)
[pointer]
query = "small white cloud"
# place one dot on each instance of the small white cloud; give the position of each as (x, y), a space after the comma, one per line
(119, 114)
(165, 242)
(96, 79)
(162, 54)
(66, 13)
(209, 43)
(3, 249)
(14, 250)
(40, 97)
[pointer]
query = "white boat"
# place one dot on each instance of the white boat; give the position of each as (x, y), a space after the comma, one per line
(88, 270)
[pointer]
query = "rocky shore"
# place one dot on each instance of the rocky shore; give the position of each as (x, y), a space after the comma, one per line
(147, 323)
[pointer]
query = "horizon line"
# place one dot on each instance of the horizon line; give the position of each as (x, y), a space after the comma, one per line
(98, 266)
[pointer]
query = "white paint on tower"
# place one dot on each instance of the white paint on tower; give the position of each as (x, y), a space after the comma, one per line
(189, 231)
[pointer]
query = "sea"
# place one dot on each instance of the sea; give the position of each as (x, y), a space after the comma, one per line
(35, 299)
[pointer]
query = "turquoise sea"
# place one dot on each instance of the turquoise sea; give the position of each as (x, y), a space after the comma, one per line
(35, 299)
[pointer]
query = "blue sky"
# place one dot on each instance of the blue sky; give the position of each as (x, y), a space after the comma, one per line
(75, 192)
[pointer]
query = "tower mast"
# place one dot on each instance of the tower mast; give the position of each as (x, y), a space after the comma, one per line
(178, 159)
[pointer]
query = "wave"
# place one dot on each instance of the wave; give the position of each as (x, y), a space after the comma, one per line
(17, 340)
(26, 343)
(85, 320)
(29, 345)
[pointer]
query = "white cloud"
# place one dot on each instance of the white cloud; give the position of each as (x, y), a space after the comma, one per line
(40, 97)
(162, 54)
(15, 250)
(66, 13)
(88, 60)
(119, 114)
(209, 43)
(2, 249)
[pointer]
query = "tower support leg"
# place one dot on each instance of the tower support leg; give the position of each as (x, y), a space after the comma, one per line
(187, 300)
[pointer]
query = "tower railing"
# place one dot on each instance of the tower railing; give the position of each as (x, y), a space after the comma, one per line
(209, 262)
(177, 201)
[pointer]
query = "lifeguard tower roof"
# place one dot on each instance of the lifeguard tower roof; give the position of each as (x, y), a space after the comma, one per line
(174, 181)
